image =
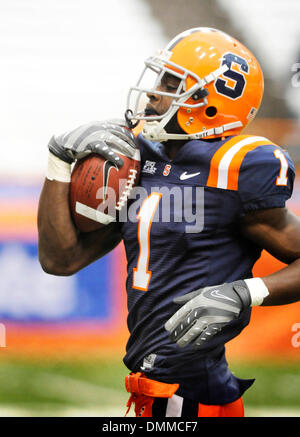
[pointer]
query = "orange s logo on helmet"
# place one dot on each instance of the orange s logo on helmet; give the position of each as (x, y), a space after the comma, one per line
(234, 96)
(220, 87)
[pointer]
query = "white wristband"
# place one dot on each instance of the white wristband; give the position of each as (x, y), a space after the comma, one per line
(58, 170)
(258, 290)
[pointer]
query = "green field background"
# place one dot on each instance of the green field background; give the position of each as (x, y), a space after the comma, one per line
(95, 387)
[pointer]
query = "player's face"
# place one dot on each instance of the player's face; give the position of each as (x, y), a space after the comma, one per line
(158, 104)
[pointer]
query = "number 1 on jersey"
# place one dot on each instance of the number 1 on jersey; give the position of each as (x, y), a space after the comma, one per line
(282, 178)
(141, 274)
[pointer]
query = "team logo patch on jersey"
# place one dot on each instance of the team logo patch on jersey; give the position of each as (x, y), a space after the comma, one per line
(149, 167)
(167, 170)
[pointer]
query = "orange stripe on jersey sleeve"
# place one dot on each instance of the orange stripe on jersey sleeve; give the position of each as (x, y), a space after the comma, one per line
(212, 180)
(235, 165)
(226, 162)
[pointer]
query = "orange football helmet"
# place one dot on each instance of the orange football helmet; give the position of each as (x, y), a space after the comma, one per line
(219, 92)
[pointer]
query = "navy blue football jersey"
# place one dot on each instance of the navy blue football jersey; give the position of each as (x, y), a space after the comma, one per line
(183, 234)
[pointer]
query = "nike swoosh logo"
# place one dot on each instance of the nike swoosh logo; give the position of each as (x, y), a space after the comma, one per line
(216, 293)
(185, 176)
(108, 165)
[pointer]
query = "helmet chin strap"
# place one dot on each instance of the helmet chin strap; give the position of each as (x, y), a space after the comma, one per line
(153, 131)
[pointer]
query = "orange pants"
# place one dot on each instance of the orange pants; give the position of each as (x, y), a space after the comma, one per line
(157, 399)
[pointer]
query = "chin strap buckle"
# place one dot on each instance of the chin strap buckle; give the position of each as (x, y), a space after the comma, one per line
(128, 117)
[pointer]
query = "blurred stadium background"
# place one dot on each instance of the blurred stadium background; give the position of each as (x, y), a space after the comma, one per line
(67, 62)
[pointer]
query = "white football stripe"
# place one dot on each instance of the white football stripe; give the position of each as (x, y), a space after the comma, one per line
(228, 157)
(93, 214)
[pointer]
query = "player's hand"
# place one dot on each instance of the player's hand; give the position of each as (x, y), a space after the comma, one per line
(105, 138)
(207, 311)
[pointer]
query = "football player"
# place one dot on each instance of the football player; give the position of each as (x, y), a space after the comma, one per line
(190, 286)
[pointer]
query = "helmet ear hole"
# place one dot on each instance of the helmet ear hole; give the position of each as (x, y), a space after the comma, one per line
(211, 111)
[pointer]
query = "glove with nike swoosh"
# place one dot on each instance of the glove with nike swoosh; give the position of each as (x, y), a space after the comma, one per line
(95, 137)
(106, 138)
(207, 311)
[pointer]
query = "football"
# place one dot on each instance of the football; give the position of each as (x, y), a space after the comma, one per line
(99, 190)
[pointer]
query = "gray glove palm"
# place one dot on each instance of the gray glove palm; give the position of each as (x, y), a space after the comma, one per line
(206, 311)
(105, 138)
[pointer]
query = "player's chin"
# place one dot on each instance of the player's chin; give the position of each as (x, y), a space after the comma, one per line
(150, 112)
